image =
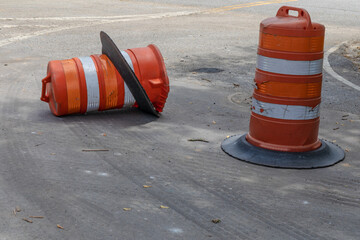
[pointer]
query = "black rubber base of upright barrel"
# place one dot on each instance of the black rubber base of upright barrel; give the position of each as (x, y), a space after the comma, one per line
(112, 52)
(326, 155)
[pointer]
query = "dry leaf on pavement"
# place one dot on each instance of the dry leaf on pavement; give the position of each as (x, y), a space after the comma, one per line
(216, 220)
(27, 220)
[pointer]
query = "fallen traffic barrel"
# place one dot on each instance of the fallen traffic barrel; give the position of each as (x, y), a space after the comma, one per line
(113, 80)
(285, 114)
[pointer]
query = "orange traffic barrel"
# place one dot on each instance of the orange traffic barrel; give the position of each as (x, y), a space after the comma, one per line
(115, 79)
(285, 112)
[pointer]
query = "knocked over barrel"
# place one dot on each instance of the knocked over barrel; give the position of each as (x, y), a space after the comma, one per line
(85, 84)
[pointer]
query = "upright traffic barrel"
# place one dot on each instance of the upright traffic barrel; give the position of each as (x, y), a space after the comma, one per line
(285, 112)
(93, 83)
(288, 79)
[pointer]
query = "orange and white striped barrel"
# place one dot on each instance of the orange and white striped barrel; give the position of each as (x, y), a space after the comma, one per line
(284, 121)
(85, 84)
(288, 78)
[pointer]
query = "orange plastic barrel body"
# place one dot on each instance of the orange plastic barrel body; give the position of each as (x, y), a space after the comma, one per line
(80, 85)
(288, 78)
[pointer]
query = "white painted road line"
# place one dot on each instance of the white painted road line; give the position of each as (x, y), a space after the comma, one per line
(329, 69)
(129, 18)
(89, 21)
(87, 18)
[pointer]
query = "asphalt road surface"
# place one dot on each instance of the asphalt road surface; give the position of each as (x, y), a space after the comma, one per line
(209, 49)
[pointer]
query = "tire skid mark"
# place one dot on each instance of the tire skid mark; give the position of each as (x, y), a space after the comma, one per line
(288, 228)
(247, 205)
(174, 201)
(21, 177)
(337, 181)
(336, 198)
(19, 165)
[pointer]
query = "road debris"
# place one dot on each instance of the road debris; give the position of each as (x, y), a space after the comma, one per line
(27, 220)
(17, 209)
(95, 150)
(347, 150)
(164, 207)
(213, 122)
(147, 186)
(127, 209)
(206, 79)
(351, 50)
(336, 128)
(216, 220)
(104, 134)
(37, 133)
(236, 85)
(39, 217)
(59, 226)
(198, 140)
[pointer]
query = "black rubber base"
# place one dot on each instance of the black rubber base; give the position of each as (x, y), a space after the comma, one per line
(326, 155)
(112, 52)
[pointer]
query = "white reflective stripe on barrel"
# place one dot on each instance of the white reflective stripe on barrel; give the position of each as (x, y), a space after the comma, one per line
(92, 84)
(286, 112)
(289, 67)
(129, 99)
(128, 59)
